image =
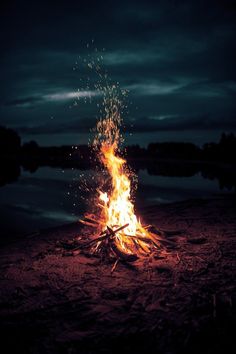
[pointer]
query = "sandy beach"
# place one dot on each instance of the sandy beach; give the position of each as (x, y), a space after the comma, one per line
(180, 300)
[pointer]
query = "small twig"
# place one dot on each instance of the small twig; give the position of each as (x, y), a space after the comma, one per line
(114, 265)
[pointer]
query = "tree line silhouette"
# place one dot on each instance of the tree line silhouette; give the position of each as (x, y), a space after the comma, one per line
(223, 151)
(212, 160)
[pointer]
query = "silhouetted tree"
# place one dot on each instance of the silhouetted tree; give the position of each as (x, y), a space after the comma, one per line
(10, 141)
(169, 150)
(30, 147)
(223, 151)
(135, 151)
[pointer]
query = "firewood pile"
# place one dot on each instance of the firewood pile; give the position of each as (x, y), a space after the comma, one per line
(104, 244)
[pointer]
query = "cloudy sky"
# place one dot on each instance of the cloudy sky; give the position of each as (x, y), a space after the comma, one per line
(176, 58)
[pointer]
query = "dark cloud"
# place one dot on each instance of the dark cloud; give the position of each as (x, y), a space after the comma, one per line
(176, 123)
(177, 58)
(24, 102)
(81, 125)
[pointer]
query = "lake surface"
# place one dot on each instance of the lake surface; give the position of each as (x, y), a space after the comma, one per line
(51, 197)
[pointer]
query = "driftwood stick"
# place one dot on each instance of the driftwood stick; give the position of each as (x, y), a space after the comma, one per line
(90, 221)
(152, 237)
(93, 220)
(97, 239)
(111, 232)
(119, 229)
(87, 218)
(139, 246)
(87, 223)
(143, 239)
(122, 255)
(114, 265)
(103, 236)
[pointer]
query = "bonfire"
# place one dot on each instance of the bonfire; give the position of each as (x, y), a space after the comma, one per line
(119, 232)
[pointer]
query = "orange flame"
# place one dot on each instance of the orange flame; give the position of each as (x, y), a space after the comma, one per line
(117, 206)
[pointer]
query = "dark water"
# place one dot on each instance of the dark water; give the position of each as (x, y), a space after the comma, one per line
(51, 196)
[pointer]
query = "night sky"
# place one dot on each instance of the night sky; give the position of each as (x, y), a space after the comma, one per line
(177, 59)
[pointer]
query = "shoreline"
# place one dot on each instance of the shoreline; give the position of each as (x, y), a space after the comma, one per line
(139, 210)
